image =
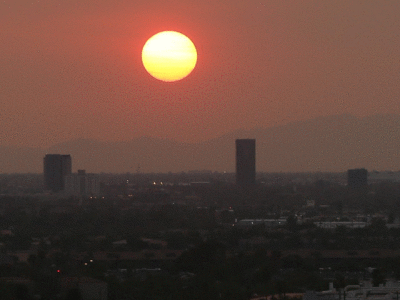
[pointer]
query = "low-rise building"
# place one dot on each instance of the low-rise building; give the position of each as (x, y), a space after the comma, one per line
(266, 222)
(365, 291)
(335, 224)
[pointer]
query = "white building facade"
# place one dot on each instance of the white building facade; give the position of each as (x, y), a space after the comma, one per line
(82, 184)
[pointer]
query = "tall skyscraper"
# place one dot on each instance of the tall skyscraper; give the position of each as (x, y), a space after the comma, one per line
(357, 178)
(245, 162)
(55, 168)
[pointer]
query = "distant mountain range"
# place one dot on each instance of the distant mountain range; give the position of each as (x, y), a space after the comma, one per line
(334, 143)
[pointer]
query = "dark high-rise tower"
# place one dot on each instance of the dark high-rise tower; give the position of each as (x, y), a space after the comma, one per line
(357, 178)
(245, 162)
(55, 168)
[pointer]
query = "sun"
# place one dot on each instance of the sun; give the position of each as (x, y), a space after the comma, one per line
(169, 56)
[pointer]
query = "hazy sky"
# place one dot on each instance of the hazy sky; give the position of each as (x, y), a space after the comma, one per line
(72, 68)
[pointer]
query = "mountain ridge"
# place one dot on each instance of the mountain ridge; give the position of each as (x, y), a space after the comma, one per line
(326, 144)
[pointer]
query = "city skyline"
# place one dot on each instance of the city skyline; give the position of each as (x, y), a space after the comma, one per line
(72, 70)
(333, 144)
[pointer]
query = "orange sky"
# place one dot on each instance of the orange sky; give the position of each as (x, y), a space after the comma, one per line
(72, 69)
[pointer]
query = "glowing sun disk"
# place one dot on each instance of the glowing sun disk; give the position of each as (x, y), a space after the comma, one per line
(169, 56)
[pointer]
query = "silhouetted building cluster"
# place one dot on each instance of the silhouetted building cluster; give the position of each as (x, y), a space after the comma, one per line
(82, 184)
(245, 162)
(55, 168)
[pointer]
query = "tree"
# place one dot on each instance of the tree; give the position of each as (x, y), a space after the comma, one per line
(377, 277)
(291, 222)
(21, 292)
(378, 227)
(74, 294)
(208, 253)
